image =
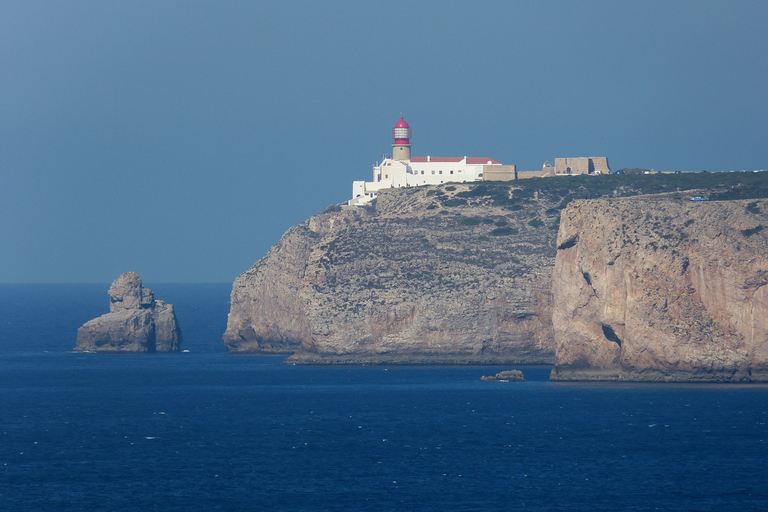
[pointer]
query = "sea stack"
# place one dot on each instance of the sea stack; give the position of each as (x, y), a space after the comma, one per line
(136, 322)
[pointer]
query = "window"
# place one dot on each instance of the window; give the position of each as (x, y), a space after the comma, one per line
(433, 172)
(451, 172)
(422, 172)
(441, 172)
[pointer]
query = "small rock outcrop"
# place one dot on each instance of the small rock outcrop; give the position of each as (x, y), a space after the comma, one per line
(662, 289)
(136, 322)
(505, 376)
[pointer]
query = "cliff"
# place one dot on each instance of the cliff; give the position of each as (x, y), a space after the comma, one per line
(449, 274)
(662, 289)
(136, 322)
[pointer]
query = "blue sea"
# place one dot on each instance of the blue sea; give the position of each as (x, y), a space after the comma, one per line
(210, 431)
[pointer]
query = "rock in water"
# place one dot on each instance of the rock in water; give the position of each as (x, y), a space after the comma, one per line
(136, 322)
(661, 289)
(505, 376)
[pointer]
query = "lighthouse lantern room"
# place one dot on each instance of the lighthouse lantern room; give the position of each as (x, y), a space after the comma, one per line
(401, 147)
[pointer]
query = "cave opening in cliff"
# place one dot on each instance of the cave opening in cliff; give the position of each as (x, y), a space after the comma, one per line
(587, 278)
(610, 335)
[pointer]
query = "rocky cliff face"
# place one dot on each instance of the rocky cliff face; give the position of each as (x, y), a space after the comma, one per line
(430, 275)
(661, 288)
(136, 322)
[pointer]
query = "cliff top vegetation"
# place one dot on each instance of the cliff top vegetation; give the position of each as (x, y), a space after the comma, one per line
(562, 190)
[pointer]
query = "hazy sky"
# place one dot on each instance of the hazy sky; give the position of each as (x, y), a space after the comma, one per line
(180, 139)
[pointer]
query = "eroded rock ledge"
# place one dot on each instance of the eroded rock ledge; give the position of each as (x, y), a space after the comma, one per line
(136, 322)
(662, 289)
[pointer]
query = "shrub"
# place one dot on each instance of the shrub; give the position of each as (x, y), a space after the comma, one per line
(752, 208)
(688, 222)
(535, 223)
(750, 232)
(503, 231)
(454, 202)
(470, 221)
(522, 192)
(450, 188)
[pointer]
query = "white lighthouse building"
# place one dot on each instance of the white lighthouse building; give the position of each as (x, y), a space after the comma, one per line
(402, 170)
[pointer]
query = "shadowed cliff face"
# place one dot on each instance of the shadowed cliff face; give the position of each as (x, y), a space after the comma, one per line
(427, 276)
(658, 288)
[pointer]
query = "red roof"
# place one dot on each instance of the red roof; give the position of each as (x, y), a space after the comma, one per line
(401, 123)
(436, 159)
(448, 159)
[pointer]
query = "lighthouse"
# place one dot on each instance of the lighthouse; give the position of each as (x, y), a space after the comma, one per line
(403, 170)
(401, 147)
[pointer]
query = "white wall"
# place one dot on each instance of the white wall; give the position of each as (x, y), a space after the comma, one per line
(393, 173)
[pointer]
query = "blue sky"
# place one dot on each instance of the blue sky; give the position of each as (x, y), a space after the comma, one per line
(180, 139)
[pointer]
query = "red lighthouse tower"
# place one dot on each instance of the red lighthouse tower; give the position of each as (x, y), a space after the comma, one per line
(401, 147)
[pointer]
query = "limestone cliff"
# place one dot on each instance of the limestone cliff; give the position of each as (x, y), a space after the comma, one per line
(451, 274)
(136, 322)
(662, 288)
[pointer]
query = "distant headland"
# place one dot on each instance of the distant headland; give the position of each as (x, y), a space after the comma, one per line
(620, 277)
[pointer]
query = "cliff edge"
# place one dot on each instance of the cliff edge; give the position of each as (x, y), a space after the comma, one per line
(448, 274)
(662, 289)
(136, 322)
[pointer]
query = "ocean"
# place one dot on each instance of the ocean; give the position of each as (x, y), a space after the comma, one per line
(211, 431)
